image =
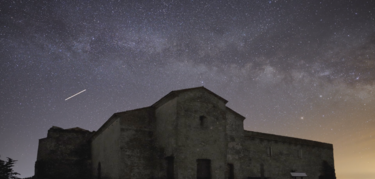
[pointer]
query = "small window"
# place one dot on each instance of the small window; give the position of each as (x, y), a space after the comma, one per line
(202, 120)
(261, 170)
(203, 169)
(99, 171)
(270, 151)
(230, 171)
(170, 167)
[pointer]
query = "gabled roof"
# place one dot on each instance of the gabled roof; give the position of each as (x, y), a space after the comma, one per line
(128, 111)
(160, 102)
(238, 114)
(112, 119)
(105, 125)
(175, 93)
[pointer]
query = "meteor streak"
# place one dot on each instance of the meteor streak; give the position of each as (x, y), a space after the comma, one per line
(76, 94)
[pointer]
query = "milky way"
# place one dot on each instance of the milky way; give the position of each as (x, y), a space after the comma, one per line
(297, 68)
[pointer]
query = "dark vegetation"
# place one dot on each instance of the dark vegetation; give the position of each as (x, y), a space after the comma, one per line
(6, 169)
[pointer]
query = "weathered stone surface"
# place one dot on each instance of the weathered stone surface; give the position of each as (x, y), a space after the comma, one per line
(106, 150)
(65, 153)
(277, 156)
(186, 134)
(136, 143)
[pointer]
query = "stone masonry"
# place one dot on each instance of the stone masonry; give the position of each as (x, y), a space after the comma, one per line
(187, 134)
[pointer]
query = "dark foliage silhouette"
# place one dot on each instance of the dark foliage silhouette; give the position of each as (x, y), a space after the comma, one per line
(6, 169)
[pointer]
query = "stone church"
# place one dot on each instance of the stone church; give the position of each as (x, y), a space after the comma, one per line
(187, 134)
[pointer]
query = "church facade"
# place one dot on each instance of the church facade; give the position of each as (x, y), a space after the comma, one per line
(187, 134)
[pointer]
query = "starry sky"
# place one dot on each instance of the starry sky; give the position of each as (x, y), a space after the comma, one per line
(296, 68)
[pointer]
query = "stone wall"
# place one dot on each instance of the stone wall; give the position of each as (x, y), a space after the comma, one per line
(201, 133)
(65, 153)
(137, 159)
(276, 156)
(235, 151)
(181, 135)
(165, 135)
(106, 150)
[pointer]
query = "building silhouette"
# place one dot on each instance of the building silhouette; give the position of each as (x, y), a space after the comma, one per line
(187, 134)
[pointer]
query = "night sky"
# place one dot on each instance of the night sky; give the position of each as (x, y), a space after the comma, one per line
(297, 68)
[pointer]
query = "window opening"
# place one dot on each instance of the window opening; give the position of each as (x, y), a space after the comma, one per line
(170, 167)
(99, 171)
(203, 169)
(270, 151)
(230, 171)
(202, 120)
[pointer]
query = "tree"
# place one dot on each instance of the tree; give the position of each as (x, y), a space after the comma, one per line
(6, 169)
